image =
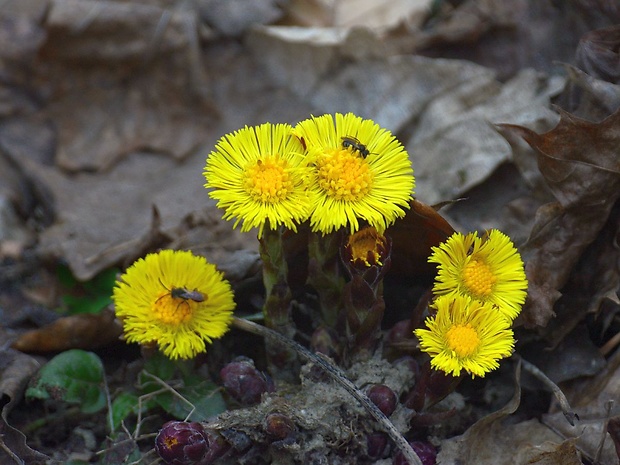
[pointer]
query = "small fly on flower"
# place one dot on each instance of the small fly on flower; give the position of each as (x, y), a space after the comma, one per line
(182, 293)
(185, 294)
(355, 145)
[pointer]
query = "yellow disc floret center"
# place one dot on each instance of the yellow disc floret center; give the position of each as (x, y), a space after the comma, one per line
(170, 441)
(479, 278)
(268, 180)
(344, 175)
(173, 310)
(463, 340)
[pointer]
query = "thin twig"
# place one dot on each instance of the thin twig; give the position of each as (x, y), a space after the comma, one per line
(166, 387)
(557, 392)
(9, 452)
(610, 345)
(339, 377)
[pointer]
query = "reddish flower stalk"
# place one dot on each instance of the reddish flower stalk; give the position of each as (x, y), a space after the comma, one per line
(366, 257)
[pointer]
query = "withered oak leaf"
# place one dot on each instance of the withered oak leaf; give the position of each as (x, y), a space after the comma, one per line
(580, 160)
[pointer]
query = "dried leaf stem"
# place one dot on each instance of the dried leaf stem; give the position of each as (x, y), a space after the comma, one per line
(557, 392)
(339, 377)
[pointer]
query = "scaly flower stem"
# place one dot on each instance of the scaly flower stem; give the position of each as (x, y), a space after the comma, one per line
(364, 308)
(339, 377)
(366, 256)
(277, 307)
(324, 273)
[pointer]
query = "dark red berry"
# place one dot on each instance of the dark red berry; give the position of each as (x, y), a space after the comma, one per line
(376, 444)
(426, 452)
(278, 426)
(383, 397)
(244, 382)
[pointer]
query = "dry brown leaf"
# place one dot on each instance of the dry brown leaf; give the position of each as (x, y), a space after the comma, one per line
(454, 148)
(503, 201)
(105, 219)
(510, 35)
(107, 86)
(553, 454)
(115, 84)
(597, 53)
(17, 369)
(589, 398)
(613, 428)
(340, 71)
(594, 279)
(491, 442)
(83, 331)
(592, 89)
(597, 274)
(579, 161)
(588, 96)
(565, 354)
(20, 31)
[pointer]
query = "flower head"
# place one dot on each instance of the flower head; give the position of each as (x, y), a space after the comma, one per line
(488, 269)
(367, 248)
(361, 172)
(175, 299)
(367, 254)
(258, 175)
(467, 335)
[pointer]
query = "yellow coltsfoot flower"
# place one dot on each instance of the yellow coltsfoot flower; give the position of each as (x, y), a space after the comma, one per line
(360, 172)
(488, 269)
(465, 335)
(258, 176)
(174, 299)
(367, 248)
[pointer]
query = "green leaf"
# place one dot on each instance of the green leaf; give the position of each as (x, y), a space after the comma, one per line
(205, 396)
(75, 377)
(124, 405)
(102, 282)
(65, 277)
(88, 297)
(161, 366)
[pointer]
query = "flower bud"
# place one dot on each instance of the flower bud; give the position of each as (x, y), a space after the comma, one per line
(278, 426)
(244, 382)
(376, 445)
(181, 443)
(383, 397)
(368, 254)
(426, 452)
